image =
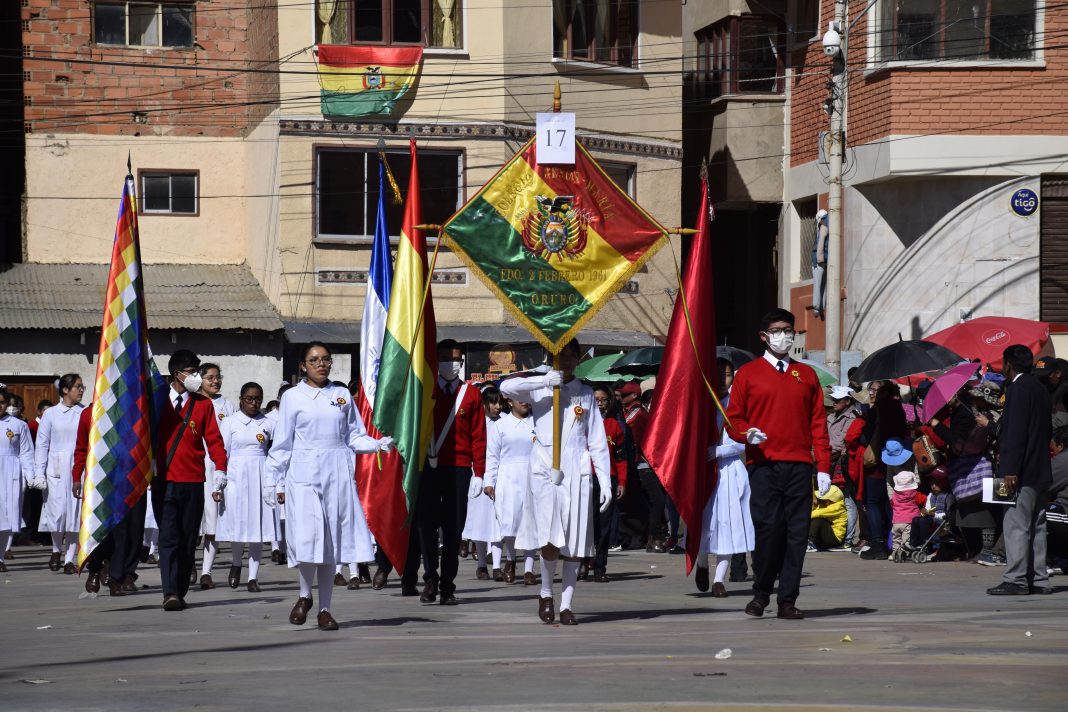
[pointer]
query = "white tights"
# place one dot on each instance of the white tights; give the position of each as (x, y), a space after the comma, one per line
(211, 548)
(325, 573)
(723, 562)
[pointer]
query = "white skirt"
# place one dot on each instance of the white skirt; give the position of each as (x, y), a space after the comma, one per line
(324, 518)
(150, 514)
(481, 524)
(558, 514)
(61, 511)
(10, 494)
(243, 515)
(513, 481)
(727, 521)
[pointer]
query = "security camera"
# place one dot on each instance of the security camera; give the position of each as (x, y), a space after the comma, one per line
(832, 41)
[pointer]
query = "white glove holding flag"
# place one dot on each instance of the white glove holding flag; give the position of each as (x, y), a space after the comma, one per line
(269, 497)
(823, 483)
(386, 444)
(755, 436)
(552, 379)
(475, 488)
(220, 481)
(556, 476)
(606, 498)
(38, 483)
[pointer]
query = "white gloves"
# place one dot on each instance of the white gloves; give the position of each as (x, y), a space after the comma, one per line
(823, 483)
(39, 482)
(556, 476)
(385, 444)
(269, 497)
(606, 498)
(755, 436)
(553, 379)
(220, 481)
(475, 488)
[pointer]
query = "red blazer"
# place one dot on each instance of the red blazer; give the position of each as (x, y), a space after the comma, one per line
(637, 419)
(81, 443)
(188, 462)
(614, 431)
(465, 445)
(788, 407)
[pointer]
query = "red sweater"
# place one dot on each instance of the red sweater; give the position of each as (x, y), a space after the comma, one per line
(188, 462)
(81, 443)
(465, 444)
(787, 407)
(637, 419)
(614, 431)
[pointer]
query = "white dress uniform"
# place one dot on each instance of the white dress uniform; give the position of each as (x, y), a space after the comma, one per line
(728, 525)
(210, 520)
(54, 456)
(243, 515)
(279, 509)
(312, 462)
(481, 523)
(561, 514)
(508, 446)
(16, 469)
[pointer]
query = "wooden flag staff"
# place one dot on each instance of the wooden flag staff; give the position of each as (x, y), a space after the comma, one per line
(558, 420)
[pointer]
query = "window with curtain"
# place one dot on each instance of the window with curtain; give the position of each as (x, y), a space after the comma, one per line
(431, 23)
(144, 24)
(933, 30)
(741, 55)
(599, 31)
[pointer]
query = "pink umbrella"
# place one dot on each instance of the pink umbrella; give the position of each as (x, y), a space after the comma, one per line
(945, 387)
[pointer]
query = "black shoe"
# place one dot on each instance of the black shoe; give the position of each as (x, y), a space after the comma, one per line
(600, 576)
(365, 573)
(142, 556)
(378, 582)
(407, 590)
(234, 579)
(55, 561)
(354, 584)
(584, 571)
(700, 577)
(1009, 589)
(1041, 590)
(430, 592)
(756, 607)
(875, 553)
(448, 599)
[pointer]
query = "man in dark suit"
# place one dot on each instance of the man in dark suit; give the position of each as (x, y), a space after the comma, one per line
(1024, 462)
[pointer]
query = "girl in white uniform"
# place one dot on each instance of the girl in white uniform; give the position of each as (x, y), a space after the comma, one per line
(310, 468)
(54, 456)
(480, 526)
(244, 518)
(278, 541)
(508, 444)
(212, 380)
(16, 470)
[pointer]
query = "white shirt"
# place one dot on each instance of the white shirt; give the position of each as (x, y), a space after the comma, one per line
(774, 361)
(15, 441)
(247, 436)
(507, 438)
(56, 434)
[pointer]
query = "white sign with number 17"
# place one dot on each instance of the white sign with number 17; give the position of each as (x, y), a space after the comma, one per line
(555, 139)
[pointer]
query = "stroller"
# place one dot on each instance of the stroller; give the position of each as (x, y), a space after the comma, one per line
(944, 531)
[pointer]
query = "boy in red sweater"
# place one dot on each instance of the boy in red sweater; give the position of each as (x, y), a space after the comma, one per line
(776, 409)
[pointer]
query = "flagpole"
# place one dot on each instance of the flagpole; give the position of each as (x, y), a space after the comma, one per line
(558, 418)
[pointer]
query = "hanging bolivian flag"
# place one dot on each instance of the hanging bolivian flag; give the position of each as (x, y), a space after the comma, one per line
(554, 243)
(357, 81)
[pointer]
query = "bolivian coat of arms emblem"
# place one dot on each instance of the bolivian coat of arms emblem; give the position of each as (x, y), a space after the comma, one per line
(556, 227)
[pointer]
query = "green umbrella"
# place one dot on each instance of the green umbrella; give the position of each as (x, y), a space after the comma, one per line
(594, 369)
(826, 377)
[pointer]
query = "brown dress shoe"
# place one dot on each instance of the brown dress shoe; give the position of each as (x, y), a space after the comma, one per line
(509, 572)
(545, 610)
(378, 581)
(365, 573)
(788, 612)
(339, 580)
(430, 592)
(55, 561)
(465, 548)
(153, 560)
(171, 603)
(326, 621)
(128, 585)
(354, 584)
(299, 614)
(206, 583)
(567, 617)
(700, 577)
(69, 568)
(92, 584)
(498, 575)
(234, 579)
(276, 555)
(482, 573)
(755, 607)
(115, 588)
(253, 586)
(529, 579)
(719, 590)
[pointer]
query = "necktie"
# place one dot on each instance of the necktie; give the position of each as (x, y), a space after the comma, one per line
(178, 402)
(781, 366)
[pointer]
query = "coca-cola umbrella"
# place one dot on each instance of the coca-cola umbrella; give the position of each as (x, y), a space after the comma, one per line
(986, 337)
(905, 358)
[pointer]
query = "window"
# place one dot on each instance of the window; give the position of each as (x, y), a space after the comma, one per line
(806, 221)
(622, 174)
(346, 189)
(741, 55)
(432, 23)
(143, 24)
(804, 20)
(170, 192)
(911, 30)
(601, 31)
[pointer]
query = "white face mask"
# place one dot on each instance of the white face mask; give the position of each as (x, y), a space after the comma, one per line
(13, 411)
(449, 370)
(193, 382)
(781, 343)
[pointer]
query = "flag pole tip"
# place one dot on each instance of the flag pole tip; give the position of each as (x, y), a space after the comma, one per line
(429, 227)
(682, 231)
(558, 103)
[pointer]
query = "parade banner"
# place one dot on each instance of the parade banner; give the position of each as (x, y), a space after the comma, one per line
(554, 243)
(405, 395)
(129, 393)
(380, 477)
(361, 81)
(679, 455)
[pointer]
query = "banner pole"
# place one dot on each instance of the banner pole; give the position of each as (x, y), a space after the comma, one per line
(558, 417)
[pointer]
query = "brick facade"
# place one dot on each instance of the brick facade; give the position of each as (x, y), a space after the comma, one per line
(157, 91)
(933, 98)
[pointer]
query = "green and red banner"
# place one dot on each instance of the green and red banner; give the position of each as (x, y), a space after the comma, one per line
(359, 81)
(554, 243)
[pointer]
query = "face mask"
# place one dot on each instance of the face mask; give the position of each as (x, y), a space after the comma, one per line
(193, 382)
(780, 343)
(449, 370)
(13, 411)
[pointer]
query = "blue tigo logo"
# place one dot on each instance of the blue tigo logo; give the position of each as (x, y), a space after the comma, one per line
(1024, 202)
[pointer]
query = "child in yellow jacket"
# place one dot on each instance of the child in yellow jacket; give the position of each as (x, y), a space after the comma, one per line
(829, 518)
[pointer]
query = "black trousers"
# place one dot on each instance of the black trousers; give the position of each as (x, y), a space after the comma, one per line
(442, 503)
(654, 492)
(122, 546)
(179, 526)
(781, 505)
(602, 525)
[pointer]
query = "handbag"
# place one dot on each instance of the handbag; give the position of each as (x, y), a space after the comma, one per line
(871, 456)
(927, 455)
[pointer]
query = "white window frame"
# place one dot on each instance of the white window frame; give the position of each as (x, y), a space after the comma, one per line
(159, 4)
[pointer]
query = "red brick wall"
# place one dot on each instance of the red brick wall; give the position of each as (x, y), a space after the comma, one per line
(177, 92)
(901, 101)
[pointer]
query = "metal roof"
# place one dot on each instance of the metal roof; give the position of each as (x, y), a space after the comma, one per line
(177, 296)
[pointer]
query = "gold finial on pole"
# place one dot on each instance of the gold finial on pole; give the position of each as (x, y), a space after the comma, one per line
(558, 104)
(682, 231)
(429, 227)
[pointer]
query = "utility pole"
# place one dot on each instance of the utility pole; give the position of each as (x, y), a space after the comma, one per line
(838, 85)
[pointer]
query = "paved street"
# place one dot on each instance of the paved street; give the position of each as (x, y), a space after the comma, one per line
(923, 637)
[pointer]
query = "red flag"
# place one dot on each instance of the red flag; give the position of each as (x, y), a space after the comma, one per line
(679, 455)
(382, 493)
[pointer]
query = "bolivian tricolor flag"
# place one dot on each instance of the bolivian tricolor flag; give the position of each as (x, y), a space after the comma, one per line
(404, 401)
(553, 242)
(357, 81)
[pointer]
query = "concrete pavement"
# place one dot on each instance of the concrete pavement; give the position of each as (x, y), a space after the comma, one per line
(923, 637)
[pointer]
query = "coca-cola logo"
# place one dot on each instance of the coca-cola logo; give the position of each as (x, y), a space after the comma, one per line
(995, 336)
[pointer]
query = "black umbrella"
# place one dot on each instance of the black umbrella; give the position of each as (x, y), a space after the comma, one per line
(640, 362)
(737, 357)
(905, 358)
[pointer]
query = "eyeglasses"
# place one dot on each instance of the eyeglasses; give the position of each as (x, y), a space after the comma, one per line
(775, 332)
(320, 361)
(213, 378)
(252, 399)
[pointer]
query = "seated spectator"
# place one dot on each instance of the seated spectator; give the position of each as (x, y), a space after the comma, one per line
(905, 506)
(828, 527)
(1057, 509)
(934, 512)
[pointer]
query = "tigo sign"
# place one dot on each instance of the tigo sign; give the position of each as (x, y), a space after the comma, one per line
(1024, 202)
